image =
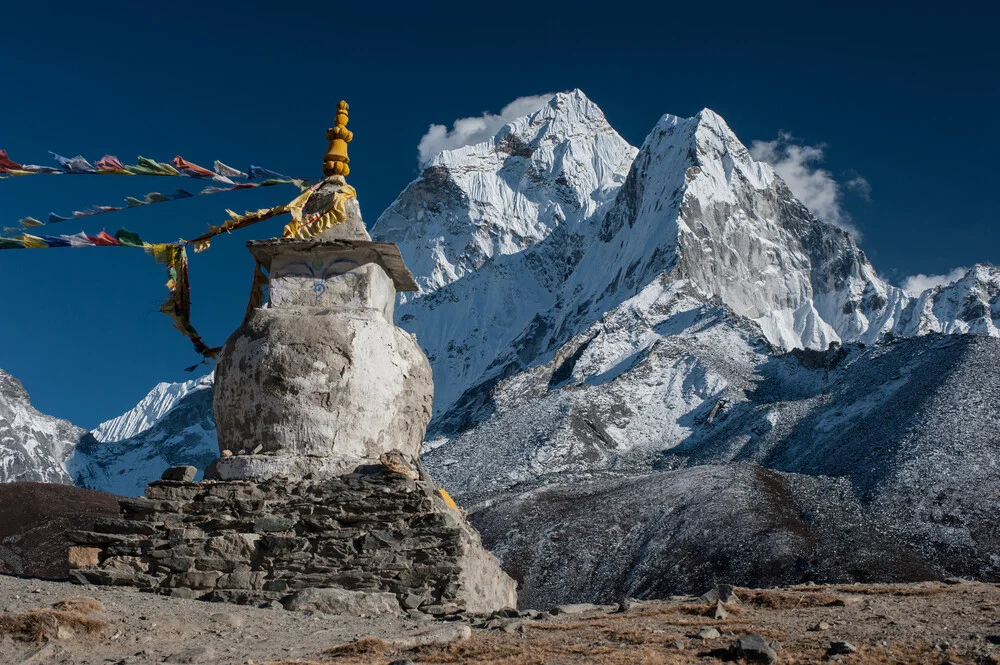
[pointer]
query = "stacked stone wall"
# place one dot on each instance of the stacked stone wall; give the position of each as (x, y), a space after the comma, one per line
(251, 543)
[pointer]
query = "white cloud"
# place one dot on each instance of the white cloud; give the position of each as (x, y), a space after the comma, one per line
(476, 129)
(917, 284)
(816, 187)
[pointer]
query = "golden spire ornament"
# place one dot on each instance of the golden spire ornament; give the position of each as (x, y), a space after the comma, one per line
(335, 162)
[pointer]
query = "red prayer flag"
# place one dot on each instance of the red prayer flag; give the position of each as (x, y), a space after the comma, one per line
(6, 164)
(102, 239)
(109, 163)
(191, 169)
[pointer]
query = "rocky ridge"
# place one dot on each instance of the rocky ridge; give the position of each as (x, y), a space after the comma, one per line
(33, 446)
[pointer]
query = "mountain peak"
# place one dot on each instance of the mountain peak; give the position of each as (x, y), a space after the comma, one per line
(555, 166)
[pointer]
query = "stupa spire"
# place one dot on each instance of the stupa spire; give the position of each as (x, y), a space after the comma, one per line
(336, 161)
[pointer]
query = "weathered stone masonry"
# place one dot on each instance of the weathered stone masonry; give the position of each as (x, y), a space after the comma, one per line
(246, 542)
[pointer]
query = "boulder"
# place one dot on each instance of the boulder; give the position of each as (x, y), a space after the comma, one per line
(753, 649)
(342, 601)
(725, 593)
(180, 474)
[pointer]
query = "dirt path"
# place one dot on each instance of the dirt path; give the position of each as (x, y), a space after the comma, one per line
(931, 623)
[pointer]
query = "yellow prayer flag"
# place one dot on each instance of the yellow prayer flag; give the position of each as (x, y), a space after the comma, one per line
(30, 241)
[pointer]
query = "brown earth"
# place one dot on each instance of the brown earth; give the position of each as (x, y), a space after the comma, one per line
(931, 623)
(34, 521)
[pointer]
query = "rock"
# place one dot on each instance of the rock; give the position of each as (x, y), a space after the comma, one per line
(83, 557)
(438, 636)
(846, 600)
(775, 644)
(201, 654)
(719, 611)
(228, 620)
(709, 634)
(677, 645)
(514, 627)
(342, 601)
(507, 613)
(720, 592)
(753, 649)
(39, 655)
(573, 608)
(841, 648)
(182, 474)
(411, 601)
(402, 661)
(396, 462)
(272, 523)
(993, 639)
(624, 605)
(822, 625)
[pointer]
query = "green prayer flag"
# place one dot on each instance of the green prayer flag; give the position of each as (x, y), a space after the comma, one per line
(128, 238)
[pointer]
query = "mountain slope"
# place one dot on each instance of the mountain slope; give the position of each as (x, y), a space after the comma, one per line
(493, 230)
(185, 435)
(33, 446)
(156, 404)
(861, 463)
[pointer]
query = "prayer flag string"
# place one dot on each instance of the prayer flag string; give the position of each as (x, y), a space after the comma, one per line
(148, 199)
(110, 165)
(174, 254)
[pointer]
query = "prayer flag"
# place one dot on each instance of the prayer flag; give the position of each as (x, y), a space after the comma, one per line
(30, 241)
(10, 243)
(132, 202)
(34, 168)
(74, 165)
(129, 239)
(55, 241)
(156, 197)
(30, 222)
(151, 167)
(110, 164)
(54, 218)
(80, 239)
(102, 239)
(259, 172)
(7, 164)
(228, 171)
(191, 169)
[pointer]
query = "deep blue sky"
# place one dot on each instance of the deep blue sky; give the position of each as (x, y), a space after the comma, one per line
(905, 96)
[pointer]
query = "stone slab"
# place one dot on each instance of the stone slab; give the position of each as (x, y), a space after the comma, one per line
(386, 254)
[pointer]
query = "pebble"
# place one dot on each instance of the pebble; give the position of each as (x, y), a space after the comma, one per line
(709, 634)
(841, 648)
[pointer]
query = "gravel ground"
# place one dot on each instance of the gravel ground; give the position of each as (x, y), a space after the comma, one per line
(931, 623)
(146, 628)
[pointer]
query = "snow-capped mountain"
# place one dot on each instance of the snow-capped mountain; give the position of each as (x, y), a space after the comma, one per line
(492, 232)
(183, 435)
(151, 408)
(695, 209)
(554, 168)
(33, 446)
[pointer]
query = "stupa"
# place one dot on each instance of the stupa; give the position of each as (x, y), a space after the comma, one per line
(321, 404)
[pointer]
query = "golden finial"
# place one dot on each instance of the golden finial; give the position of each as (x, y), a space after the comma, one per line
(335, 162)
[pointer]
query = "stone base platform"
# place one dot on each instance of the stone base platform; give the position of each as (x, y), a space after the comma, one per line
(254, 542)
